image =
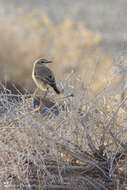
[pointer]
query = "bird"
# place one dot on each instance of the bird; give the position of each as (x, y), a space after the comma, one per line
(43, 76)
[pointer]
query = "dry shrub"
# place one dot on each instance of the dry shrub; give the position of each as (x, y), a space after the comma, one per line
(81, 146)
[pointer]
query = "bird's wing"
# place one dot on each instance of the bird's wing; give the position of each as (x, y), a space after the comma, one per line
(45, 75)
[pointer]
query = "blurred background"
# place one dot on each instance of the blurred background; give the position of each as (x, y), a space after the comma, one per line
(88, 37)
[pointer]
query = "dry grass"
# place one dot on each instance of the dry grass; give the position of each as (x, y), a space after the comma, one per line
(82, 146)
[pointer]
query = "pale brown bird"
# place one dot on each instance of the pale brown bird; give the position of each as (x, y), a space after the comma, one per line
(43, 76)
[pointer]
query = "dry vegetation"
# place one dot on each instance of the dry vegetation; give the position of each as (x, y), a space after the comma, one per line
(77, 143)
(80, 142)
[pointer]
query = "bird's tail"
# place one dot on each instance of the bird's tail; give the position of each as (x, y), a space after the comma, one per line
(56, 89)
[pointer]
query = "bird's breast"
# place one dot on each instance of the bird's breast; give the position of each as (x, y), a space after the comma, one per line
(40, 84)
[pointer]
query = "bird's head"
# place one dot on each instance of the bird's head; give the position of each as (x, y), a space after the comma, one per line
(42, 61)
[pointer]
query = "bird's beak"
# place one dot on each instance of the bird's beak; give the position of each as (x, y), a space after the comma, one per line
(48, 62)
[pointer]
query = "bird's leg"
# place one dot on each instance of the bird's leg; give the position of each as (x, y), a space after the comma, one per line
(41, 100)
(35, 98)
(46, 93)
(35, 92)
